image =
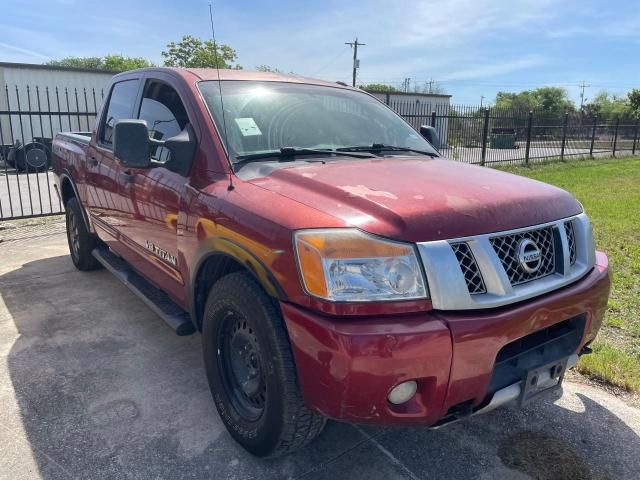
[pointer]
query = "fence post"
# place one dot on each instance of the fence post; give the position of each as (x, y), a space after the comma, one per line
(635, 137)
(615, 136)
(564, 134)
(593, 135)
(387, 98)
(433, 119)
(485, 134)
(529, 128)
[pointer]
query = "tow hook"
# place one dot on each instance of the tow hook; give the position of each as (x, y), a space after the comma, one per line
(586, 350)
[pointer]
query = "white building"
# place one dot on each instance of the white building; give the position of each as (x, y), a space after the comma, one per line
(417, 109)
(72, 95)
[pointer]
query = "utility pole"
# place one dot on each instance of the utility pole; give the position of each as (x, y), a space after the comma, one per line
(582, 99)
(431, 85)
(481, 100)
(356, 62)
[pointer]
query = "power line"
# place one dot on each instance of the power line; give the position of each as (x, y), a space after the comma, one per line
(356, 62)
(582, 99)
(399, 80)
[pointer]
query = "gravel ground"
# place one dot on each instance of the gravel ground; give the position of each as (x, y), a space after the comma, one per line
(94, 385)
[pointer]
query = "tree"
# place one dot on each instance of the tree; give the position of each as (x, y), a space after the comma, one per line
(78, 62)
(551, 100)
(634, 102)
(119, 63)
(191, 52)
(609, 105)
(267, 68)
(379, 87)
(115, 63)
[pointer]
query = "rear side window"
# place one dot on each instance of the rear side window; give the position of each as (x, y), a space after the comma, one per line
(123, 96)
(165, 115)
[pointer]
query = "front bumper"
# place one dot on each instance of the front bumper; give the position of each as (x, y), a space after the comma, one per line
(347, 366)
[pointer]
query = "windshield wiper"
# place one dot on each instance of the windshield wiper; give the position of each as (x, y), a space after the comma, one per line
(288, 154)
(379, 147)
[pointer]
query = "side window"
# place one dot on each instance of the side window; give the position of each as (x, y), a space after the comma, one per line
(123, 96)
(165, 115)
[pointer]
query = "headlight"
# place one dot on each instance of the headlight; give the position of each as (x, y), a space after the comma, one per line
(347, 265)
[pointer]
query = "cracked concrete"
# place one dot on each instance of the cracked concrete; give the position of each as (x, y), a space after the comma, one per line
(94, 385)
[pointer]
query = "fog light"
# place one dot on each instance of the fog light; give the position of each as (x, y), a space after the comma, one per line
(403, 393)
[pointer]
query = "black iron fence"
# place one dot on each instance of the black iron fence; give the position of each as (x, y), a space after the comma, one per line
(501, 136)
(31, 116)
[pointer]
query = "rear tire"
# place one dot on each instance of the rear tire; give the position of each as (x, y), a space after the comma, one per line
(251, 372)
(81, 242)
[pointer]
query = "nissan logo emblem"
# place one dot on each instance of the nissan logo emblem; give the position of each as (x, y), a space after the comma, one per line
(529, 255)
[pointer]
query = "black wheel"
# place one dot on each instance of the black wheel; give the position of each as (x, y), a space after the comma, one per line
(81, 242)
(251, 372)
(36, 157)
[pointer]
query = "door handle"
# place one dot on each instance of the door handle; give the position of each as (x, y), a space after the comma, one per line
(126, 176)
(93, 161)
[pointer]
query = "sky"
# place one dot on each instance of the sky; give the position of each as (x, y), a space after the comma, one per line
(470, 48)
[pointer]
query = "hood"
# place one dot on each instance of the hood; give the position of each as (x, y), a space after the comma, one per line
(418, 199)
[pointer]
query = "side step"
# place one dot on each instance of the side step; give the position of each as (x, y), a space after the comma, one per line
(156, 300)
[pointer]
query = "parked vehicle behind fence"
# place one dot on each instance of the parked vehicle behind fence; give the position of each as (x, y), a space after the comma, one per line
(336, 265)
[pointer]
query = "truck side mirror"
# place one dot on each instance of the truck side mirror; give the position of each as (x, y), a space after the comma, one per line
(131, 144)
(431, 135)
(182, 148)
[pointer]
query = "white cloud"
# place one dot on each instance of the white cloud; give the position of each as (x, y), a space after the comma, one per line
(425, 38)
(23, 51)
(493, 69)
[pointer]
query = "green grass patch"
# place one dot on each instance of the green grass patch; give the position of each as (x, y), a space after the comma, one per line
(612, 365)
(610, 192)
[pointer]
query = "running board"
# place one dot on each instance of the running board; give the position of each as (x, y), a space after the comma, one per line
(156, 299)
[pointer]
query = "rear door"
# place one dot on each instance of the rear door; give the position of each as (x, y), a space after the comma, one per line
(104, 201)
(154, 195)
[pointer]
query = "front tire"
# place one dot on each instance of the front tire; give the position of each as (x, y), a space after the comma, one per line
(251, 372)
(81, 242)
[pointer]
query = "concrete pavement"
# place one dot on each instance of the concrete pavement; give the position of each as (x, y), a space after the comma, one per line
(23, 194)
(94, 385)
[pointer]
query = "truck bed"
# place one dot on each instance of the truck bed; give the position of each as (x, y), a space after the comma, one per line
(79, 137)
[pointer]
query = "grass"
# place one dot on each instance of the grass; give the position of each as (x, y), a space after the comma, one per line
(610, 192)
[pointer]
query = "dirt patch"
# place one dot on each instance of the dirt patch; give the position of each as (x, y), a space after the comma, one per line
(627, 397)
(27, 229)
(544, 458)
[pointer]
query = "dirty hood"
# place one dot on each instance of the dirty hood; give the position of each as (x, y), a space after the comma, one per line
(419, 199)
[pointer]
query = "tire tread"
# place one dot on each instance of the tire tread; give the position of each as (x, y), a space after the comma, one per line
(301, 425)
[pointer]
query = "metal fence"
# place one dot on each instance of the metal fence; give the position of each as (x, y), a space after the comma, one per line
(499, 136)
(31, 116)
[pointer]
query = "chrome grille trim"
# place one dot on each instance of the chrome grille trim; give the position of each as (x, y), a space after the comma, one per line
(571, 240)
(506, 247)
(469, 268)
(449, 287)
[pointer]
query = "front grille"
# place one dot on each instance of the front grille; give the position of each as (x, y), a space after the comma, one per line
(506, 247)
(571, 240)
(469, 268)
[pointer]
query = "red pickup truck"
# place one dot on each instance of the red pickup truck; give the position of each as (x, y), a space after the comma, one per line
(336, 265)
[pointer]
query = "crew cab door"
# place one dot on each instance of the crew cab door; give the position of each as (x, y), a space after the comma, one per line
(154, 195)
(103, 199)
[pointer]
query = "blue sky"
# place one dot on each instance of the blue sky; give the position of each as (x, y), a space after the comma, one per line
(470, 47)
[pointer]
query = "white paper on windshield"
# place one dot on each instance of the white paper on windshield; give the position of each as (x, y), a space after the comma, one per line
(248, 127)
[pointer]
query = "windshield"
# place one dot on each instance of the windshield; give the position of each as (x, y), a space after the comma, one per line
(267, 116)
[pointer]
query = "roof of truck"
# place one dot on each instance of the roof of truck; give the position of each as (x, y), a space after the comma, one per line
(227, 74)
(230, 74)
